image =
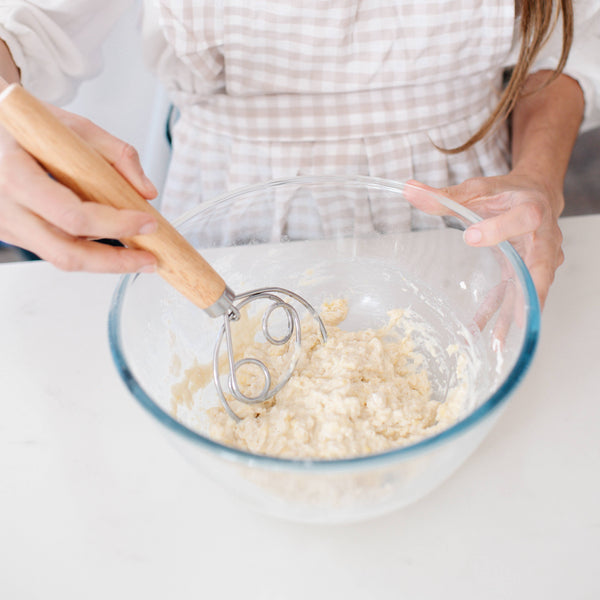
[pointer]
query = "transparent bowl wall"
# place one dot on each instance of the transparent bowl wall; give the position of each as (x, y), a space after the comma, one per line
(381, 245)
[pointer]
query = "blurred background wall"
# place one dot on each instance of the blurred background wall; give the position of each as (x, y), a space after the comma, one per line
(126, 99)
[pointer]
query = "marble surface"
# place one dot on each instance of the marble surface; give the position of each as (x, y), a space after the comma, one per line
(94, 502)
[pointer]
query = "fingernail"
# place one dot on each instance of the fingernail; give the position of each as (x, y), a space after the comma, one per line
(147, 228)
(472, 236)
(147, 269)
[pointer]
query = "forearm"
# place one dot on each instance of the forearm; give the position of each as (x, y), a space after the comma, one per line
(8, 69)
(545, 125)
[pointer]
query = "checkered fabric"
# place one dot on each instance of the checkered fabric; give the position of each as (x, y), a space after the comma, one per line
(270, 89)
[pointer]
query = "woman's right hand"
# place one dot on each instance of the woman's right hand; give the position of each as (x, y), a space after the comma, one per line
(41, 215)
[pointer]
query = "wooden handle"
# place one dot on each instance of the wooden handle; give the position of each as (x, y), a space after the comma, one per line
(77, 165)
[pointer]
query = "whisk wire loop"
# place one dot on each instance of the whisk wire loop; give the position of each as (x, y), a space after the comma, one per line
(292, 319)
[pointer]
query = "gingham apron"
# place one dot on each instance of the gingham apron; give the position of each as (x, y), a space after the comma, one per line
(269, 89)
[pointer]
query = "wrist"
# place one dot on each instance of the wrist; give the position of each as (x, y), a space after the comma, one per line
(547, 183)
(549, 179)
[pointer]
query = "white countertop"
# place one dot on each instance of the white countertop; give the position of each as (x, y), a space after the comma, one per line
(94, 503)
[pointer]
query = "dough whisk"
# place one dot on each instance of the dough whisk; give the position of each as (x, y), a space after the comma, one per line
(74, 163)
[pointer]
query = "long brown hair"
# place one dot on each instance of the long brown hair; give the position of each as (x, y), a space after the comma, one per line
(538, 18)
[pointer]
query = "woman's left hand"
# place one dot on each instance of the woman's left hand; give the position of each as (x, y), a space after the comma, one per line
(523, 206)
(518, 208)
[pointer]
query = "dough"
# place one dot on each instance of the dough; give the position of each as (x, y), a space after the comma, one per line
(362, 392)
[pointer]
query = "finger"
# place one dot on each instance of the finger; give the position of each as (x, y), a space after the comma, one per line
(123, 156)
(64, 209)
(506, 316)
(471, 189)
(24, 183)
(425, 198)
(490, 305)
(519, 220)
(75, 254)
(542, 274)
(542, 258)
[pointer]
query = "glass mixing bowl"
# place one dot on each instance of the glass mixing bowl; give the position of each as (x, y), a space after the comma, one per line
(379, 244)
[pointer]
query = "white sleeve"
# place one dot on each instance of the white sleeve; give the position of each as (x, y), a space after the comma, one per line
(583, 63)
(57, 43)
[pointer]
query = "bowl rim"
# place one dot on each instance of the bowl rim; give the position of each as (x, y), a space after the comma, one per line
(486, 409)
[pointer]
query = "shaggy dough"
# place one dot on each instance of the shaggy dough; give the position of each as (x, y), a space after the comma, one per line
(362, 392)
